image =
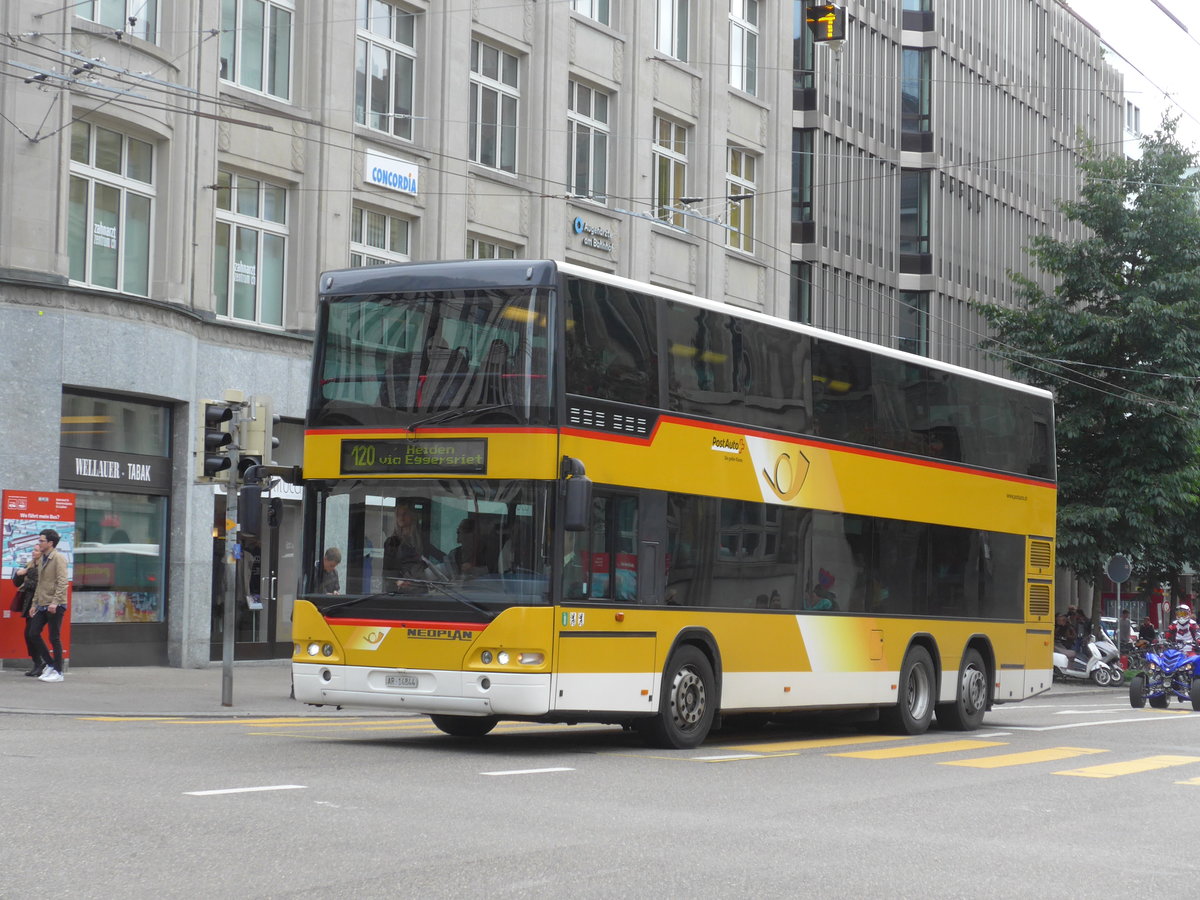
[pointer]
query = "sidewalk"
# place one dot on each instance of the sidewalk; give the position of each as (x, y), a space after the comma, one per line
(260, 688)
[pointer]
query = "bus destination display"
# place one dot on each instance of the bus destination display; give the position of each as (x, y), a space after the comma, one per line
(388, 456)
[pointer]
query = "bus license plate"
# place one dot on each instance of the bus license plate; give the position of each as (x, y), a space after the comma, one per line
(403, 680)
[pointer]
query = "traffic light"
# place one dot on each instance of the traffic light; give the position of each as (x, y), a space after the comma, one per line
(258, 438)
(826, 21)
(214, 440)
(258, 432)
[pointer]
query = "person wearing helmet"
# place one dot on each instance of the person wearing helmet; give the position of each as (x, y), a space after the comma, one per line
(1184, 630)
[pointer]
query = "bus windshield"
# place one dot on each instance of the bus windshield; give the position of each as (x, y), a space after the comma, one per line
(399, 549)
(401, 359)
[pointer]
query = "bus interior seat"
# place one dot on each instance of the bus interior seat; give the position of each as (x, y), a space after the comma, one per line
(399, 383)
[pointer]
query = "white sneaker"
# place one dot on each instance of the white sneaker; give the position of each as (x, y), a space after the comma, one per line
(50, 675)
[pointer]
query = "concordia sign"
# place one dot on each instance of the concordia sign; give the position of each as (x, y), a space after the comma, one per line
(391, 173)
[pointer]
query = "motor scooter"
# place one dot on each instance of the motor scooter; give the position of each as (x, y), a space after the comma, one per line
(1110, 654)
(1088, 665)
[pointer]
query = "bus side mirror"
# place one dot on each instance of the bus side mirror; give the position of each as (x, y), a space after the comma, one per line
(577, 499)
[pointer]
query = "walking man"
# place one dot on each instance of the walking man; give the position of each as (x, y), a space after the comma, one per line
(50, 604)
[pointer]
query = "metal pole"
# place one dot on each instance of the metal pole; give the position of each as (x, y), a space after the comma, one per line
(232, 554)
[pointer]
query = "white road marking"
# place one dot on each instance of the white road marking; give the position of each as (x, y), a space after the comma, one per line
(723, 758)
(529, 771)
(249, 790)
(1140, 721)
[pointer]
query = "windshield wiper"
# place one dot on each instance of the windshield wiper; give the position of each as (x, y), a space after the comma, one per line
(447, 590)
(444, 587)
(449, 414)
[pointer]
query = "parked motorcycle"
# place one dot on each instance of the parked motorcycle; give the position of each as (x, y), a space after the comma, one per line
(1170, 671)
(1088, 665)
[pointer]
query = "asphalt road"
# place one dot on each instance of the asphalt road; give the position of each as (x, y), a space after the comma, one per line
(1032, 802)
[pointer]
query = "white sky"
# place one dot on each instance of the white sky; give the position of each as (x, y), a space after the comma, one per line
(1166, 52)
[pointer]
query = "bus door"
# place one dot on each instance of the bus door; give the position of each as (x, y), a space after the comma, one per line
(612, 577)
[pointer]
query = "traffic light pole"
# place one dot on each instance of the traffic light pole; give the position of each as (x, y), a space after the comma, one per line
(233, 552)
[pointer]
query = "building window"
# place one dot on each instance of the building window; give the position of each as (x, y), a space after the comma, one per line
(494, 95)
(251, 248)
(914, 211)
(740, 182)
(670, 169)
(801, 294)
(587, 141)
(111, 201)
(256, 45)
(477, 249)
(1133, 119)
(136, 17)
(915, 88)
(593, 9)
(912, 322)
(743, 45)
(671, 31)
(803, 47)
(384, 64)
(377, 238)
(802, 175)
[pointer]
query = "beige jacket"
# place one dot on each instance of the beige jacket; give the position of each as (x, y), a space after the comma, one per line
(52, 580)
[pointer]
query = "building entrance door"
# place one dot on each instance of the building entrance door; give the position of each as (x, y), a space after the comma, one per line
(262, 624)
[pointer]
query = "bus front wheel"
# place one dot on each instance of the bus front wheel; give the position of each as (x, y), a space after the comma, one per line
(465, 726)
(970, 703)
(914, 706)
(687, 702)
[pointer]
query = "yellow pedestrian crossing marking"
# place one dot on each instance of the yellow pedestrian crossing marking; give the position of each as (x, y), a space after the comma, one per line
(813, 743)
(1132, 766)
(1050, 754)
(921, 749)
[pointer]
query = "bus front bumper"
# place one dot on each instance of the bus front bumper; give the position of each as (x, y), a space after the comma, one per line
(425, 692)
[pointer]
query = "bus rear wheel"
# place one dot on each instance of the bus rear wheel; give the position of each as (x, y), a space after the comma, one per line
(914, 707)
(687, 702)
(465, 726)
(966, 712)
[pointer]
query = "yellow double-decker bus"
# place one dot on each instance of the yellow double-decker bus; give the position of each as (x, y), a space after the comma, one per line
(539, 492)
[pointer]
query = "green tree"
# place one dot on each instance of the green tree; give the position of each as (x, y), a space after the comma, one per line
(1118, 341)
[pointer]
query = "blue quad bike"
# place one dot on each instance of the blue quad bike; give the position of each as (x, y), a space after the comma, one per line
(1169, 672)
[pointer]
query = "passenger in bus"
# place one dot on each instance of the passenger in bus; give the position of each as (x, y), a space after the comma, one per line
(407, 553)
(325, 580)
(469, 558)
(574, 585)
(822, 597)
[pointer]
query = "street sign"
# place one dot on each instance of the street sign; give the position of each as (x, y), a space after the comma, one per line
(1119, 569)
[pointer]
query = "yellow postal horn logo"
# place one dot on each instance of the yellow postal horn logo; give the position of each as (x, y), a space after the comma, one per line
(789, 474)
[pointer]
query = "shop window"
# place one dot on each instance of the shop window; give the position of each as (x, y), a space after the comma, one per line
(116, 458)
